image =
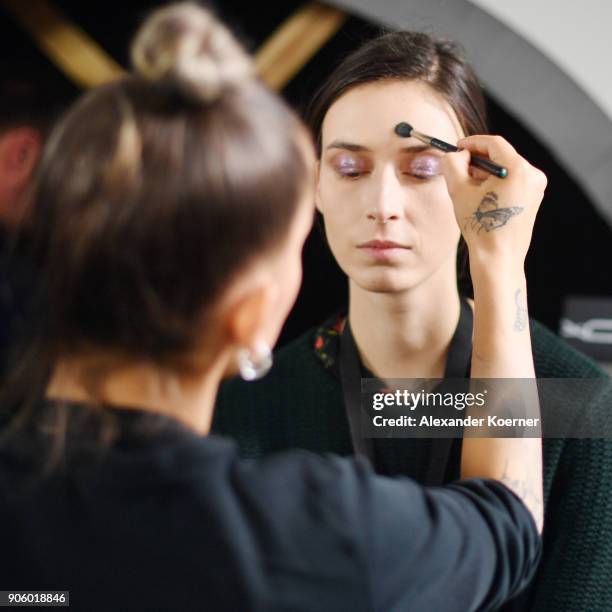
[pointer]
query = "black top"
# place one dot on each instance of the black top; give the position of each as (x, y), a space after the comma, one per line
(17, 286)
(163, 519)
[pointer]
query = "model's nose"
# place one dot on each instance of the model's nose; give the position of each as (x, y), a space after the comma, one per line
(386, 196)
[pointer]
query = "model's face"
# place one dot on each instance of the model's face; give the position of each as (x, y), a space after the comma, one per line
(388, 216)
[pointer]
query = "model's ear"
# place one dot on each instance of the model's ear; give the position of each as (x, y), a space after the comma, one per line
(318, 186)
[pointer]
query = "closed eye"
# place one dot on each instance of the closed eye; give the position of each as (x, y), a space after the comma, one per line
(352, 175)
(419, 177)
(350, 165)
(422, 167)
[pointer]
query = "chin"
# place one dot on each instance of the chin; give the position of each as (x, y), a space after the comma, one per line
(387, 280)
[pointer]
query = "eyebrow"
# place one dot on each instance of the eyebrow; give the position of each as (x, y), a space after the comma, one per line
(357, 148)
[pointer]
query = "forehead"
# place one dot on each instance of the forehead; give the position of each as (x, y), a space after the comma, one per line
(367, 114)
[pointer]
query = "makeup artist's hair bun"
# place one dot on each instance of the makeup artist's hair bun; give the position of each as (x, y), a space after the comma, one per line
(187, 45)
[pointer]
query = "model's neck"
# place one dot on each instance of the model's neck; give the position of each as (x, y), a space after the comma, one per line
(96, 378)
(405, 334)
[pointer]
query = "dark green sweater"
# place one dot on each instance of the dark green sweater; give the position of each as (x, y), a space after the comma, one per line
(300, 405)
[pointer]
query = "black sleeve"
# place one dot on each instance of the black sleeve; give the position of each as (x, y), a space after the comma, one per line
(467, 546)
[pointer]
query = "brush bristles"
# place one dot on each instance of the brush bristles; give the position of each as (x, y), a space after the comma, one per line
(403, 129)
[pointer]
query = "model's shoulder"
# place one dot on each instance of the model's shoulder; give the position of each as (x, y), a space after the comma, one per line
(317, 348)
(297, 350)
(555, 358)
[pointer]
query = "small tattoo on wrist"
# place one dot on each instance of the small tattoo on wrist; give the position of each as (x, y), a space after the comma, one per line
(520, 323)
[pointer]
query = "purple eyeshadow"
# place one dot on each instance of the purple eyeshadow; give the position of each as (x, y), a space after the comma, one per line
(425, 165)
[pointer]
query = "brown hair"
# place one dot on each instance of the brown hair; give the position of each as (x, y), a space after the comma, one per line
(411, 56)
(154, 191)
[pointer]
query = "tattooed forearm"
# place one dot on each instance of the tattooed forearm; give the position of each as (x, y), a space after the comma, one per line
(531, 497)
(489, 215)
(520, 323)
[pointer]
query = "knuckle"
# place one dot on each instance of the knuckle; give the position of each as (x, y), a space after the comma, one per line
(523, 166)
(538, 178)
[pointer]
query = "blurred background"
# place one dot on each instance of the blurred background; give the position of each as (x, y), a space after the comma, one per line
(544, 67)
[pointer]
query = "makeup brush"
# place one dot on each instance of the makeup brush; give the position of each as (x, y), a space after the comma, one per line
(405, 131)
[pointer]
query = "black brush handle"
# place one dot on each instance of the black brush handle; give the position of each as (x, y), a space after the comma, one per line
(447, 147)
(489, 166)
(475, 160)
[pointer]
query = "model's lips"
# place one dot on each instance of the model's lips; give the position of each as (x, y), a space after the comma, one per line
(384, 251)
(382, 245)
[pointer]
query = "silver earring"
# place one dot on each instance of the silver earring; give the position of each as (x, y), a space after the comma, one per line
(254, 363)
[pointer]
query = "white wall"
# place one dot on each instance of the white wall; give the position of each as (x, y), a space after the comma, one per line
(575, 34)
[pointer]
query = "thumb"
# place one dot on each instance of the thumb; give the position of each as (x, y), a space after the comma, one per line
(455, 169)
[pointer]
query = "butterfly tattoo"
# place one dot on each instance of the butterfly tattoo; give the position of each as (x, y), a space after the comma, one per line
(490, 216)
